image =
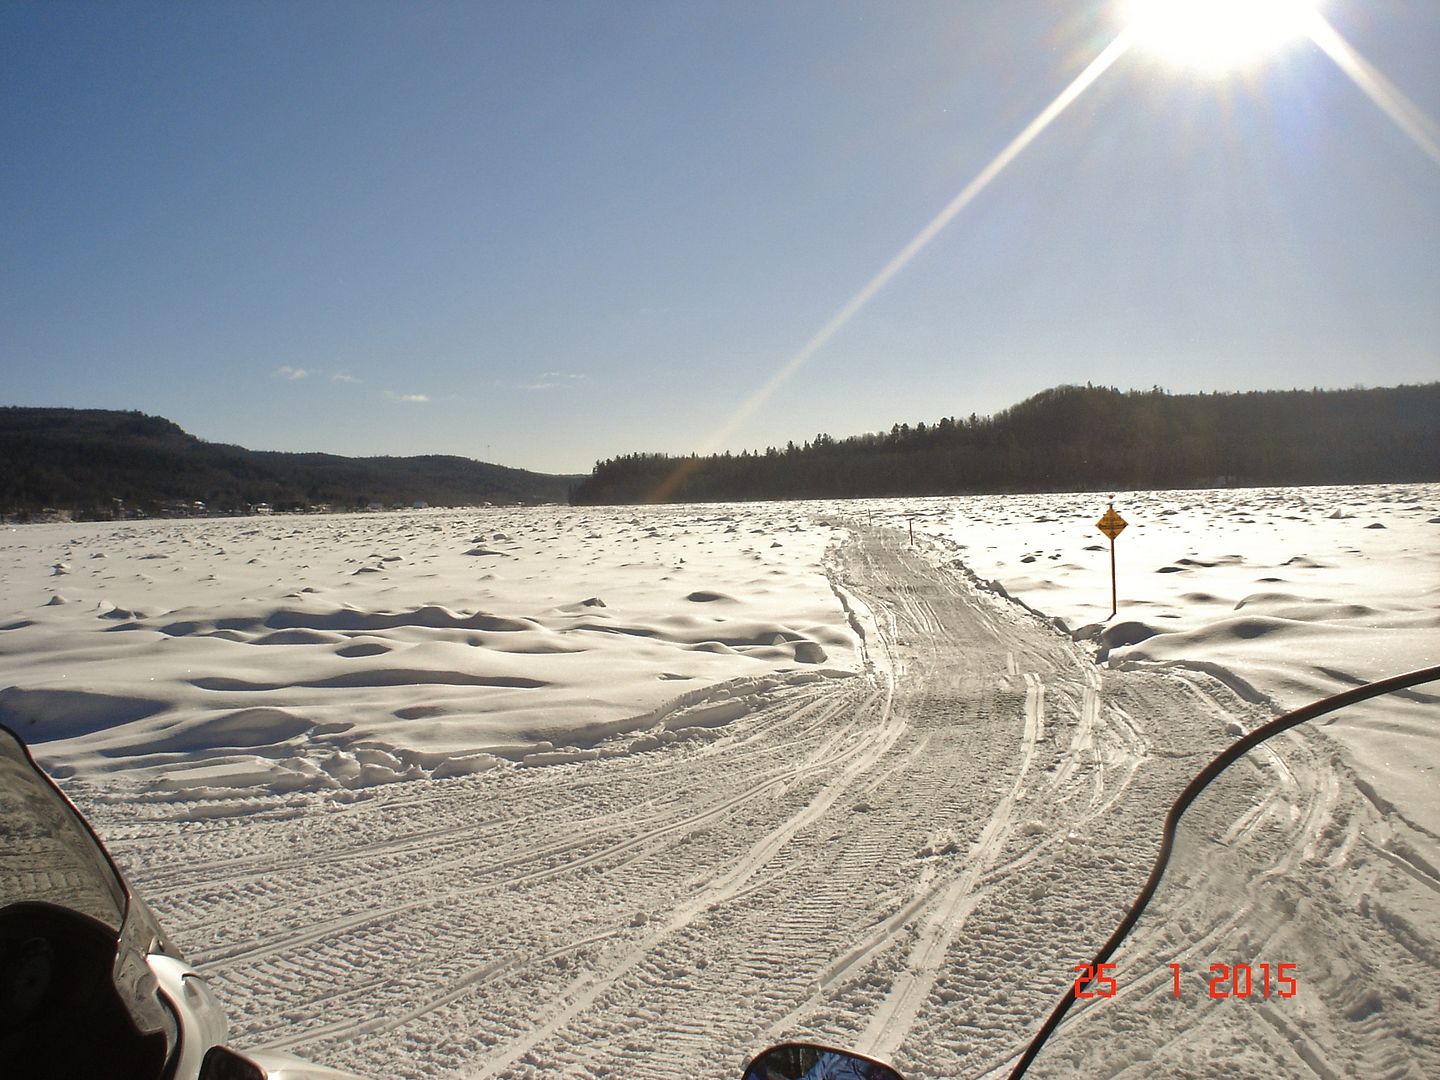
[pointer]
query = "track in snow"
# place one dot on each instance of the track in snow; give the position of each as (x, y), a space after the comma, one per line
(909, 862)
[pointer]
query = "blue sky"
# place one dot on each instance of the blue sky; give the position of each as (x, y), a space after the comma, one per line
(546, 233)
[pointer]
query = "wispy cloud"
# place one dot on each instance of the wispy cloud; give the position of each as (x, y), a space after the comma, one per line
(292, 373)
(343, 377)
(555, 380)
(413, 398)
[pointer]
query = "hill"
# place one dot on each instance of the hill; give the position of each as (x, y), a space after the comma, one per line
(1072, 438)
(83, 460)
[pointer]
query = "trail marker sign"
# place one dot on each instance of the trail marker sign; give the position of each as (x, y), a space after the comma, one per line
(1111, 524)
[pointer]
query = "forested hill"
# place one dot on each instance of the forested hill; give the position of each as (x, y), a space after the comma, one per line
(82, 460)
(1072, 438)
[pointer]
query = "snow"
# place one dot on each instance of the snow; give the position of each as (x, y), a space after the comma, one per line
(632, 791)
(569, 628)
(1290, 594)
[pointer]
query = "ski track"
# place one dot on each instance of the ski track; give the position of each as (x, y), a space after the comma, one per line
(909, 862)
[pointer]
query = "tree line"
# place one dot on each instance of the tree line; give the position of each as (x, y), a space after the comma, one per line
(1071, 438)
(98, 463)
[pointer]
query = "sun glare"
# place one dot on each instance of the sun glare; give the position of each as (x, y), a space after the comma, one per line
(1218, 36)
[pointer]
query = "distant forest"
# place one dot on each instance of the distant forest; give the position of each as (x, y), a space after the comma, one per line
(101, 464)
(95, 463)
(1071, 438)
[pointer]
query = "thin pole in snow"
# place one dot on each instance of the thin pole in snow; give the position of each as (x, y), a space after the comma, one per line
(1114, 601)
(1112, 524)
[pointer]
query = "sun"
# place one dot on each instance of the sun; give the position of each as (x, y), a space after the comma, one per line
(1218, 37)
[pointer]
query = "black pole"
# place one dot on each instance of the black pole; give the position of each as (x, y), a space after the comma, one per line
(1114, 593)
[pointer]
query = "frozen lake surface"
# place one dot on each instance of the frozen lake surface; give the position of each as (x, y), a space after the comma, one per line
(635, 791)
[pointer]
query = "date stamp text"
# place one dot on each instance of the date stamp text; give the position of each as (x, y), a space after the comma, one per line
(1244, 981)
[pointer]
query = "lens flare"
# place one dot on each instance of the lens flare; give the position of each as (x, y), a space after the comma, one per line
(1217, 37)
(1046, 117)
(1405, 114)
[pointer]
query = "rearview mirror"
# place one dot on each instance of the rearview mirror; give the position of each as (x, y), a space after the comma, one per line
(806, 1061)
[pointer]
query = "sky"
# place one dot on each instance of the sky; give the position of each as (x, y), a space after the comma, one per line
(544, 234)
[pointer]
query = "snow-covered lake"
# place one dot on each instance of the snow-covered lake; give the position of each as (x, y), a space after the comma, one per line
(631, 791)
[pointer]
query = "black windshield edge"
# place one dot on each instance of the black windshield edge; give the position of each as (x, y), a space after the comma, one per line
(1224, 760)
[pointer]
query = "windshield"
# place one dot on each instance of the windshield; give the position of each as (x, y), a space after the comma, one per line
(596, 538)
(1286, 938)
(46, 854)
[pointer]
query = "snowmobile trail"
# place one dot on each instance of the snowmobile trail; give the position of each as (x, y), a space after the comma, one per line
(909, 861)
(1271, 869)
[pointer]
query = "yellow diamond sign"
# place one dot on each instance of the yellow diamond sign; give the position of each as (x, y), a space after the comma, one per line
(1112, 524)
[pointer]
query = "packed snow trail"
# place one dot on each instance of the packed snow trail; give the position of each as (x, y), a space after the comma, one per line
(909, 862)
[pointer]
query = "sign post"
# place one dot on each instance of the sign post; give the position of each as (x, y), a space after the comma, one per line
(1112, 525)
